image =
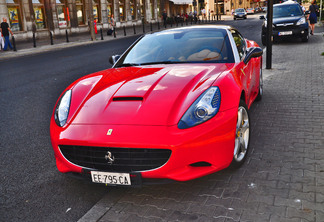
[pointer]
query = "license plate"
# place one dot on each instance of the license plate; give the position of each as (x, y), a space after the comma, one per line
(111, 178)
(285, 33)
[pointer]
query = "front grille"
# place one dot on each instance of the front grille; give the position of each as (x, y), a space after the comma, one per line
(125, 159)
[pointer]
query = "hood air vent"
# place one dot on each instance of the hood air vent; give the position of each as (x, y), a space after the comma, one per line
(128, 98)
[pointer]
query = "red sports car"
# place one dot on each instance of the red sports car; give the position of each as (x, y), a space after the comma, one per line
(174, 106)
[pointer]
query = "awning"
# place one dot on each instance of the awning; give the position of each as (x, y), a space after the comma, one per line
(182, 2)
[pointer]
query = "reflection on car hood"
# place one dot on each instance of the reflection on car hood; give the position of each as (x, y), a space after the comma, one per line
(150, 95)
(285, 20)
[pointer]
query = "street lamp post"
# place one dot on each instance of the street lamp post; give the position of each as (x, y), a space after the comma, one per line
(269, 35)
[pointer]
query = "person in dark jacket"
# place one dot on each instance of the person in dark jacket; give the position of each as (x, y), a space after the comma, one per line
(4, 29)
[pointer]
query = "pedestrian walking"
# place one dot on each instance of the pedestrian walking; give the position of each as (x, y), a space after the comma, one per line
(164, 16)
(112, 23)
(4, 29)
(314, 10)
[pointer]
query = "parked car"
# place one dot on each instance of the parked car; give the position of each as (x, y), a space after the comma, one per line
(240, 13)
(174, 106)
(289, 21)
(250, 11)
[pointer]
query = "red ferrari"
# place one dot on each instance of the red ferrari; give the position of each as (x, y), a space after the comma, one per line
(174, 106)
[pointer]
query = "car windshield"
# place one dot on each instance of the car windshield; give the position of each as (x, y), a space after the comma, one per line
(202, 45)
(287, 11)
(239, 10)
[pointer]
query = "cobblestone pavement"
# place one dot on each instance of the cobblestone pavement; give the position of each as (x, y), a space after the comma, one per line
(283, 178)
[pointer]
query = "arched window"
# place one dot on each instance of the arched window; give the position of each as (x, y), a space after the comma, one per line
(110, 8)
(62, 13)
(152, 9)
(96, 11)
(14, 12)
(39, 14)
(132, 4)
(80, 11)
(122, 14)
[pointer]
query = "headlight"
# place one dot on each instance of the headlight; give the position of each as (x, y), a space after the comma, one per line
(203, 109)
(235, 13)
(62, 109)
(301, 21)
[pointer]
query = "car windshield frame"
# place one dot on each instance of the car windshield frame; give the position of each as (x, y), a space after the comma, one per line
(287, 10)
(179, 46)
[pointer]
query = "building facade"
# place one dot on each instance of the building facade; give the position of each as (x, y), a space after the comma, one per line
(40, 17)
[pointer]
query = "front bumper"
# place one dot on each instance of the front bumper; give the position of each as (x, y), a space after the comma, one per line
(204, 143)
(292, 31)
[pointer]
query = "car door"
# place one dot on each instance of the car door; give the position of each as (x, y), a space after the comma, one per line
(245, 70)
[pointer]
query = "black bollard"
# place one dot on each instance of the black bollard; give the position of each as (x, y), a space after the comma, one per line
(114, 32)
(51, 37)
(181, 22)
(66, 35)
(101, 34)
(124, 30)
(151, 26)
(13, 43)
(34, 40)
(143, 26)
(158, 25)
(134, 29)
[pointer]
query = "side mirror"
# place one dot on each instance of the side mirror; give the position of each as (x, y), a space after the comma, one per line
(307, 12)
(113, 59)
(252, 53)
(261, 17)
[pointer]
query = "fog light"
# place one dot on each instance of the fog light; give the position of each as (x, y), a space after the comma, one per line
(302, 32)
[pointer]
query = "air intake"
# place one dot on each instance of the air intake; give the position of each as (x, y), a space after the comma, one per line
(128, 98)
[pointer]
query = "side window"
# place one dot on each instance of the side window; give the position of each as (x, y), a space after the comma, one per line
(239, 42)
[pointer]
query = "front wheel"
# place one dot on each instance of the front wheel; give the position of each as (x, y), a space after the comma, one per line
(305, 38)
(242, 136)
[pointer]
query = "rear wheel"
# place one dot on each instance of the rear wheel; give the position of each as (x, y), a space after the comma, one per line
(242, 136)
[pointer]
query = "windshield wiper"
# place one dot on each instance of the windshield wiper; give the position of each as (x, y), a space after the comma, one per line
(163, 62)
(128, 65)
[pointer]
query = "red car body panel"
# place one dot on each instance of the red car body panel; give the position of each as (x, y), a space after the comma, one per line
(143, 105)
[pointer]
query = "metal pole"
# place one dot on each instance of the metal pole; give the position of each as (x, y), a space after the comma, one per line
(124, 30)
(320, 18)
(269, 35)
(134, 29)
(34, 40)
(51, 36)
(101, 34)
(66, 35)
(13, 43)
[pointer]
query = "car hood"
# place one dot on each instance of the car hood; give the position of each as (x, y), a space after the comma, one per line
(285, 20)
(150, 95)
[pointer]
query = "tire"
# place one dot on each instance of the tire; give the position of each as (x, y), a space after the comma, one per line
(234, 18)
(305, 38)
(242, 136)
(260, 93)
(263, 39)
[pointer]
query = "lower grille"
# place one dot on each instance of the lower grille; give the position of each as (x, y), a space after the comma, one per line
(124, 159)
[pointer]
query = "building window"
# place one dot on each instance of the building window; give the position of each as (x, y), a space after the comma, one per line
(96, 11)
(80, 12)
(110, 9)
(132, 9)
(122, 10)
(14, 15)
(152, 9)
(39, 11)
(62, 13)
